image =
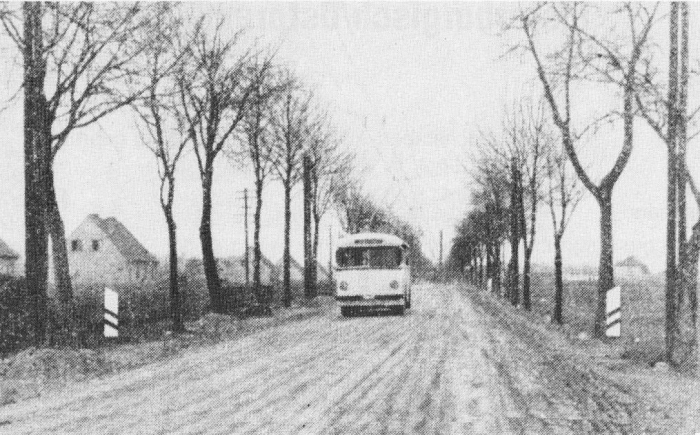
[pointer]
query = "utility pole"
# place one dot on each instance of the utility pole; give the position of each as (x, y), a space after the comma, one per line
(440, 271)
(330, 252)
(247, 249)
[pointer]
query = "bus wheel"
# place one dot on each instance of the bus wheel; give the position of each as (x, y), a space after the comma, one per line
(346, 311)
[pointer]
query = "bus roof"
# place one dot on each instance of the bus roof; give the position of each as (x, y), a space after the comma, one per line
(370, 239)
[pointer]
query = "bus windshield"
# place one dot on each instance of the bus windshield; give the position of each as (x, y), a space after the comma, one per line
(370, 258)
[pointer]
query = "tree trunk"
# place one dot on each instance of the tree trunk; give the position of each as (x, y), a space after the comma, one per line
(606, 279)
(558, 315)
(671, 251)
(686, 338)
(479, 266)
(175, 302)
(671, 193)
(309, 287)
(59, 248)
(56, 229)
(256, 242)
(36, 164)
(530, 239)
(497, 269)
(489, 265)
(211, 272)
(527, 303)
(314, 249)
(286, 280)
(514, 277)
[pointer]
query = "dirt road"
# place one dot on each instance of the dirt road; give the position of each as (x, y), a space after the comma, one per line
(450, 365)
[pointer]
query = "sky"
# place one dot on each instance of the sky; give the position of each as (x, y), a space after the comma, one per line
(409, 86)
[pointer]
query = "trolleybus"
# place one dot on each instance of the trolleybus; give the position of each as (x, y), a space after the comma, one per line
(372, 271)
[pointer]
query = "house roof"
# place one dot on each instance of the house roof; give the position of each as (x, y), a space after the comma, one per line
(266, 262)
(292, 263)
(122, 238)
(6, 251)
(322, 271)
(233, 268)
(632, 261)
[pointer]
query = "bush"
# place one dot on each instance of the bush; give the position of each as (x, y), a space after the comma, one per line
(15, 324)
(144, 312)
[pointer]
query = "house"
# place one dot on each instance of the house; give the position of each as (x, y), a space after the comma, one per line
(296, 271)
(103, 251)
(8, 259)
(631, 267)
(232, 269)
(322, 274)
(580, 273)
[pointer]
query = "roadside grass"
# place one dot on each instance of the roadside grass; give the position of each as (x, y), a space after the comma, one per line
(642, 327)
(669, 398)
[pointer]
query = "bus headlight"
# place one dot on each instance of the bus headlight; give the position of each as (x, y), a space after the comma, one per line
(343, 285)
(394, 284)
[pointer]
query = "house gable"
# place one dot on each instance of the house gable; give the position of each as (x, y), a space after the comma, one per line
(96, 255)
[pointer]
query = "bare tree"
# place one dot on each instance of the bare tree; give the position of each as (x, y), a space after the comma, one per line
(214, 88)
(259, 151)
(664, 107)
(291, 124)
(563, 195)
(519, 150)
(330, 170)
(491, 197)
(163, 132)
(90, 53)
(585, 55)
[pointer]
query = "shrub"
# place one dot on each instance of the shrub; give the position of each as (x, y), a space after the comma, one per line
(15, 324)
(144, 311)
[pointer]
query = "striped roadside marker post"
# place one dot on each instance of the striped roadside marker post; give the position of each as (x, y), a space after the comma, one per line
(111, 319)
(612, 312)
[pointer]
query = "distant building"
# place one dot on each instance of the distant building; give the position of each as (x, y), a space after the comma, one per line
(322, 275)
(8, 259)
(103, 251)
(631, 267)
(580, 273)
(232, 269)
(296, 271)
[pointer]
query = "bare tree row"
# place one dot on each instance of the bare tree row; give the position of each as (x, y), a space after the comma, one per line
(573, 57)
(193, 87)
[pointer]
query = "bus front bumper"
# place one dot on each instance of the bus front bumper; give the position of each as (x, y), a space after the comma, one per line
(370, 300)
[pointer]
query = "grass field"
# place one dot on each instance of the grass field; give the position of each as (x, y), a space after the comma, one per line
(642, 337)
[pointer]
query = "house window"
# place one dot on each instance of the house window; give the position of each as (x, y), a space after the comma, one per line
(95, 245)
(76, 245)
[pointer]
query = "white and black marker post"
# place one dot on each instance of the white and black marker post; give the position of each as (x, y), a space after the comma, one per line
(111, 319)
(612, 312)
